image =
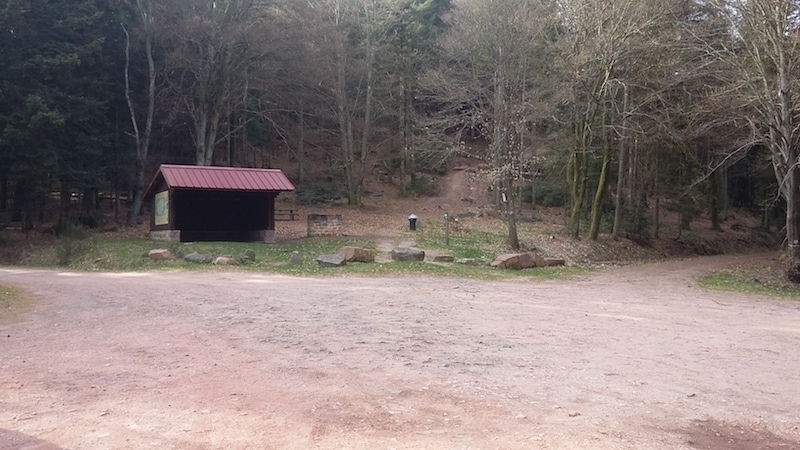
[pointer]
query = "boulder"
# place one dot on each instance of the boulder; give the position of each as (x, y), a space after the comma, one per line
(295, 259)
(538, 260)
(553, 262)
(356, 254)
(519, 261)
(408, 254)
(226, 261)
(334, 260)
(249, 255)
(443, 258)
(195, 257)
(514, 261)
(159, 254)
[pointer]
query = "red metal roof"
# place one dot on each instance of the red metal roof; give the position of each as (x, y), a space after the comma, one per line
(222, 178)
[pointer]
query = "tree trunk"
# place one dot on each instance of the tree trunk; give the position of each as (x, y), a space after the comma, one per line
(576, 177)
(597, 203)
(65, 201)
(301, 146)
(142, 140)
(367, 120)
(3, 191)
(602, 183)
(714, 200)
(622, 160)
(793, 224)
(511, 219)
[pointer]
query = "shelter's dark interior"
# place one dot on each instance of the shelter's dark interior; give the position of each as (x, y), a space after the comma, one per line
(221, 216)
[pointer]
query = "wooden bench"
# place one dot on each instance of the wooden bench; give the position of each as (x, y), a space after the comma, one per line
(286, 214)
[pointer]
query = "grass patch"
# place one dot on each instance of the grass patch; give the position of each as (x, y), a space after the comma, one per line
(483, 246)
(760, 281)
(130, 254)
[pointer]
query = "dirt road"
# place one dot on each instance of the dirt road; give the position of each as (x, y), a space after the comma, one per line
(629, 358)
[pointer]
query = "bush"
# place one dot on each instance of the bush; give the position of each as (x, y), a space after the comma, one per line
(91, 220)
(636, 224)
(422, 186)
(315, 194)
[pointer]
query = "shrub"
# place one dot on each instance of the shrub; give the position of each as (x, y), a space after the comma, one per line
(315, 194)
(545, 194)
(635, 223)
(91, 220)
(422, 186)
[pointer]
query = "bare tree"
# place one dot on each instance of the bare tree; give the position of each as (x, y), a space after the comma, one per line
(603, 40)
(349, 36)
(141, 137)
(214, 47)
(494, 83)
(762, 54)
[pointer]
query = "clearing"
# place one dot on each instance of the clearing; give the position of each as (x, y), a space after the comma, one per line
(627, 358)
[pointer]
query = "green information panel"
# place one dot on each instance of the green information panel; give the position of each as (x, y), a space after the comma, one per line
(162, 208)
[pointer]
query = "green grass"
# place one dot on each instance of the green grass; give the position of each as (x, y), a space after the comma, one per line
(482, 246)
(760, 281)
(130, 254)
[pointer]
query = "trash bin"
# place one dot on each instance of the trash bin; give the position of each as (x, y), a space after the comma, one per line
(412, 222)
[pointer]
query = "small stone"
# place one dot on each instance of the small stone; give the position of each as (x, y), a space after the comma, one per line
(334, 260)
(159, 254)
(295, 259)
(408, 254)
(226, 261)
(250, 255)
(467, 261)
(356, 254)
(574, 414)
(198, 258)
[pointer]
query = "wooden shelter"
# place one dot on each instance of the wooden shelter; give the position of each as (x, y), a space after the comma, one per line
(199, 203)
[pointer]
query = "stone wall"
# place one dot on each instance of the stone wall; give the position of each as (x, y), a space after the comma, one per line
(166, 235)
(324, 225)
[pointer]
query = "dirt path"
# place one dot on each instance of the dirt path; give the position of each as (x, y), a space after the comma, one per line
(631, 358)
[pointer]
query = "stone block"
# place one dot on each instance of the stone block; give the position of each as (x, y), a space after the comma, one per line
(334, 260)
(356, 254)
(408, 254)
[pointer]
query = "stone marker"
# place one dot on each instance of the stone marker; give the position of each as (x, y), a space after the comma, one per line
(334, 260)
(250, 255)
(356, 254)
(408, 254)
(159, 254)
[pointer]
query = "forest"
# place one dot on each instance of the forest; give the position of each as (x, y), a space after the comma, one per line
(609, 108)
